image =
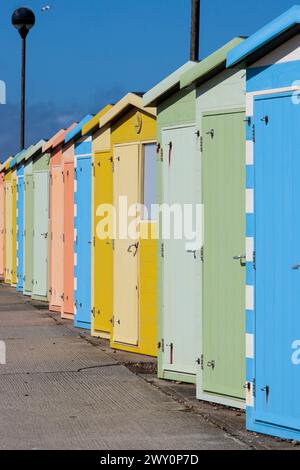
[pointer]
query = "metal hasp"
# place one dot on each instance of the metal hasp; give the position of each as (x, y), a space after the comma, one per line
(23, 20)
(272, 62)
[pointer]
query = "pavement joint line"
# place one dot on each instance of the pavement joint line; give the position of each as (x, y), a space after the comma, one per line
(74, 371)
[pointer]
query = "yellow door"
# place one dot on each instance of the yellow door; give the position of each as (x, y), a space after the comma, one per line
(8, 232)
(14, 231)
(103, 248)
(126, 253)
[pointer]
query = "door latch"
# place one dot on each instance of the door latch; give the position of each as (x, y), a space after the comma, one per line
(211, 133)
(296, 267)
(194, 252)
(241, 259)
(211, 364)
(265, 119)
(134, 246)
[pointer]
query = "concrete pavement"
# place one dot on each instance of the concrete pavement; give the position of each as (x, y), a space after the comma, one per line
(61, 389)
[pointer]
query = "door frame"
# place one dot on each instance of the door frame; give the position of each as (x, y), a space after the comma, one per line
(162, 372)
(201, 395)
(252, 423)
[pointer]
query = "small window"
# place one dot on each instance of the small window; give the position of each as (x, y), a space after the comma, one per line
(149, 186)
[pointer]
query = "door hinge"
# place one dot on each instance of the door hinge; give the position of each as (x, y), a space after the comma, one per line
(94, 170)
(253, 133)
(112, 321)
(112, 164)
(161, 154)
(162, 250)
(94, 242)
(202, 254)
(254, 260)
(201, 144)
(254, 387)
(200, 361)
(62, 296)
(113, 244)
(93, 311)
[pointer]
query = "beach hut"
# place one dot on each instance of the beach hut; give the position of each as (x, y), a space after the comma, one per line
(271, 57)
(2, 226)
(68, 177)
(28, 222)
(82, 228)
(20, 221)
(7, 222)
(14, 234)
(179, 286)
(201, 114)
(133, 152)
(102, 248)
(54, 146)
(220, 121)
(41, 216)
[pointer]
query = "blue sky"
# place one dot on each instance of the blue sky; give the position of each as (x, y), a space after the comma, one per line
(83, 54)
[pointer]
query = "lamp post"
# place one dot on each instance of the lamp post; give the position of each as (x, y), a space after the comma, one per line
(23, 20)
(195, 30)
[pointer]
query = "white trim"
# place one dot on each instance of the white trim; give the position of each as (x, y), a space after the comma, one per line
(249, 201)
(249, 105)
(250, 298)
(75, 283)
(84, 155)
(75, 185)
(75, 259)
(249, 346)
(182, 126)
(75, 234)
(250, 396)
(249, 152)
(273, 91)
(75, 310)
(75, 210)
(249, 249)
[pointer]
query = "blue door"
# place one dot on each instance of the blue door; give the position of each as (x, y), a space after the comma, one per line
(277, 258)
(20, 234)
(83, 240)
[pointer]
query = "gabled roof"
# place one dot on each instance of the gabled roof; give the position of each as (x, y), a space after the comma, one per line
(17, 159)
(131, 100)
(210, 66)
(57, 139)
(77, 130)
(6, 164)
(94, 123)
(166, 87)
(267, 38)
(34, 149)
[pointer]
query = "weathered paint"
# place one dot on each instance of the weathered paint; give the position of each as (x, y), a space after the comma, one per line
(41, 193)
(2, 226)
(20, 229)
(67, 310)
(134, 271)
(272, 229)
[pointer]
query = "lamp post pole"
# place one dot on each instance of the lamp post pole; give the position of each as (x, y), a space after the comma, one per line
(195, 30)
(23, 20)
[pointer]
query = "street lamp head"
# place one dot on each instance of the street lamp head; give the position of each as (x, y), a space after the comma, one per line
(23, 20)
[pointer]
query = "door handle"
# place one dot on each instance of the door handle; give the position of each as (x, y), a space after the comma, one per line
(296, 267)
(45, 235)
(193, 252)
(241, 259)
(133, 246)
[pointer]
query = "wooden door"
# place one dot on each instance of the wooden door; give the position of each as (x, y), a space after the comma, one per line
(126, 253)
(68, 289)
(57, 246)
(28, 234)
(103, 245)
(8, 231)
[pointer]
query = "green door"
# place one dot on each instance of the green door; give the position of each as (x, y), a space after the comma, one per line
(223, 319)
(41, 235)
(28, 235)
